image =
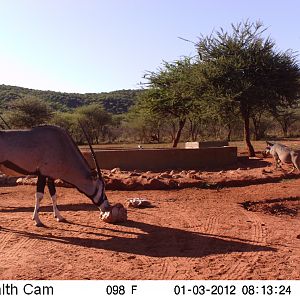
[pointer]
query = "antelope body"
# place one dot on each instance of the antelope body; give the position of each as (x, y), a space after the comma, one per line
(50, 153)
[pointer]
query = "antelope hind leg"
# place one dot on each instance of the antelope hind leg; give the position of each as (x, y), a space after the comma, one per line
(52, 191)
(56, 212)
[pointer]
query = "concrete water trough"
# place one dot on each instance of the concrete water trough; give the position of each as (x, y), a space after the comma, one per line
(206, 144)
(164, 159)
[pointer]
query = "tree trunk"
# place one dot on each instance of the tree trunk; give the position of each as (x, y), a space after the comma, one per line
(255, 126)
(178, 133)
(173, 130)
(229, 132)
(251, 151)
(193, 133)
(285, 129)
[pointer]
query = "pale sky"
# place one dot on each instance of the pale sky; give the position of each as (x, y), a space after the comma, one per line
(104, 45)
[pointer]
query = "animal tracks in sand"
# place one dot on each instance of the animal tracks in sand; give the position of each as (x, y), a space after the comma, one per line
(189, 234)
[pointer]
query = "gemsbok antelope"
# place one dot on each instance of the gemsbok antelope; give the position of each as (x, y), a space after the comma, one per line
(50, 153)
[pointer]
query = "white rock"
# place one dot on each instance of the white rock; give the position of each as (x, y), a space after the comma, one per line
(115, 170)
(19, 181)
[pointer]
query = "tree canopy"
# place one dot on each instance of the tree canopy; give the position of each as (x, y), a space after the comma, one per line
(28, 112)
(244, 67)
(173, 91)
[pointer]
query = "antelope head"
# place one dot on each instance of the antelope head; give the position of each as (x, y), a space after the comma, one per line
(98, 197)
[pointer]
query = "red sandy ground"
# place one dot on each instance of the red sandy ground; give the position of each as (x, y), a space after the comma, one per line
(236, 226)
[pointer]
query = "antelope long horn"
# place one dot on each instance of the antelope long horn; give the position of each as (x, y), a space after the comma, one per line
(92, 151)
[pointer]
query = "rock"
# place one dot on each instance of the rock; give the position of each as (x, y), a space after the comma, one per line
(116, 214)
(176, 176)
(61, 183)
(191, 172)
(132, 184)
(156, 184)
(134, 174)
(266, 171)
(115, 184)
(115, 170)
(173, 184)
(194, 176)
(19, 181)
(165, 175)
(27, 181)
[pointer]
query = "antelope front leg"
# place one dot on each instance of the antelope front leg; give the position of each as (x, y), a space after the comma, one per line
(41, 182)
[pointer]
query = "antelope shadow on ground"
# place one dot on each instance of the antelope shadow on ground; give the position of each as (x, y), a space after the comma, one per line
(49, 208)
(150, 240)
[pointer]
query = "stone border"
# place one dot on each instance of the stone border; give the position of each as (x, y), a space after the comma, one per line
(133, 181)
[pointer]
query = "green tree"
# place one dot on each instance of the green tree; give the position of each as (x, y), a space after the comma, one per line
(261, 121)
(95, 120)
(172, 92)
(286, 118)
(28, 112)
(141, 125)
(70, 122)
(245, 67)
(115, 129)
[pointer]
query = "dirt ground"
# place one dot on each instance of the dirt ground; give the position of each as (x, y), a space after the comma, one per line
(243, 224)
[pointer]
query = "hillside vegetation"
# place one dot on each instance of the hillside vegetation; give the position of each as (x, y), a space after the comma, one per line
(116, 102)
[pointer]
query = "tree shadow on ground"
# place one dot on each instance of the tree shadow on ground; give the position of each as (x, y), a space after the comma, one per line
(246, 162)
(279, 206)
(150, 240)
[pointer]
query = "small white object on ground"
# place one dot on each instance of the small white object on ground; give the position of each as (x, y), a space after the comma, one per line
(138, 203)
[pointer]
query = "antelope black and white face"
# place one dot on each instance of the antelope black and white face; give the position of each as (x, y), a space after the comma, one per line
(99, 197)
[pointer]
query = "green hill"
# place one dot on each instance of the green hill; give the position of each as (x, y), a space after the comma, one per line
(116, 102)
